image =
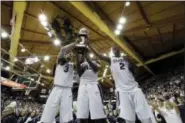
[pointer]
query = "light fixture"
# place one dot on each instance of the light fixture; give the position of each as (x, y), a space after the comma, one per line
(122, 20)
(44, 23)
(42, 66)
(32, 79)
(119, 26)
(105, 54)
(48, 70)
(7, 68)
(127, 3)
(50, 34)
(42, 17)
(56, 42)
(23, 50)
(123, 54)
(91, 55)
(4, 34)
(46, 58)
(15, 59)
(117, 32)
(107, 66)
(36, 59)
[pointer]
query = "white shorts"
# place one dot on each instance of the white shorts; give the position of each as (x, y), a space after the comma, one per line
(89, 101)
(60, 99)
(132, 103)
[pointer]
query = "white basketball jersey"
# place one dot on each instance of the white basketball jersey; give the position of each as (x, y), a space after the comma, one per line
(89, 76)
(64, 75)
(124, 79)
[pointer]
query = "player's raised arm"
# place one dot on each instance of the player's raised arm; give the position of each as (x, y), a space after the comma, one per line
(79, 69)
(93, 65)
(132, 66)
(63, 52)
(105, 58)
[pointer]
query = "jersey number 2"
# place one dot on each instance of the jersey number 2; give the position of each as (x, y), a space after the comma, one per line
(122, 65)
(66, 68)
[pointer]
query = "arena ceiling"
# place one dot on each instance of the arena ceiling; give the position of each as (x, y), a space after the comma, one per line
(153, 30)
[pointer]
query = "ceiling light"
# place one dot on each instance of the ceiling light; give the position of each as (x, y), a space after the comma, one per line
(127, 3)
(122, 20)
(119, 27)
(15, 60)
(44, 23)
(48, 70)
(46, 58)
(50, 34)
(32, 79)
(42, 17)
(91, 55)
(7, 68)
(23, 50)
(117, 32)
(36, 59)
(4, 34)
(56, 42)
(105, 54)
(123, 54)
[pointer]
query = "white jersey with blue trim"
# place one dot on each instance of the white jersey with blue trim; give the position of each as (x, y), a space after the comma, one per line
(123, 77)
(89, 76)
(64, 75)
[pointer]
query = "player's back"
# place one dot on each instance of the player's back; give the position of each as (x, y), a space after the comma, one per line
(123, 77)
(89, 76)
(64, 75)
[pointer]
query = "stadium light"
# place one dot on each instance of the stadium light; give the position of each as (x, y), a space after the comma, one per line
(91, 55)
(15, 59)
(48, 70)
(105, 54)
(127, 3)
(56, 42)
(119, 26)
(7, 68)
(36, 59)
(4, 34)
(44, 23)
(46, 58)
(117, 32)
(122, 20)
(42, 17)
(23, 50)
(123, 54)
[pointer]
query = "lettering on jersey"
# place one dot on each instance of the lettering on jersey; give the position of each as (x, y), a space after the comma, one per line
(121, 63)
(118, 60)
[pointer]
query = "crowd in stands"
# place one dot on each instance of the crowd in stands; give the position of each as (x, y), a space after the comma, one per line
(165, 94)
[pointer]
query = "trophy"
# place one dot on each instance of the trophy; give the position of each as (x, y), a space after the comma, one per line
(82, 39)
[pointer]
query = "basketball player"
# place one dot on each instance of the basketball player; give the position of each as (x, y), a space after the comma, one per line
(61, 95)
(89, 100)
(130, 97)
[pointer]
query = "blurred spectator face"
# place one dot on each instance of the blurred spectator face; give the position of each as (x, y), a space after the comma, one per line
(23, 112)
(33, 113)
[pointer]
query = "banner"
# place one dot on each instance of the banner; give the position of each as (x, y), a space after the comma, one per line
(12, 84)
